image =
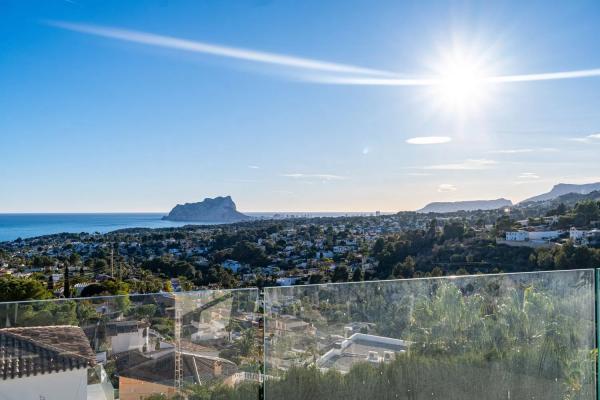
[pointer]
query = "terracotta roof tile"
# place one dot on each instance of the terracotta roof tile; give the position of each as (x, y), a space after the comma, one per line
(45, 349)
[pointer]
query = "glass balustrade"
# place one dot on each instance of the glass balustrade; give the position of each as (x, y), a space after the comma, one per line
(512, 336)
(509, 336)
(156, 346)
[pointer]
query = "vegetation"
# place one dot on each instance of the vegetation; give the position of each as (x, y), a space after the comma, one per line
(532, 337)
(19, 289)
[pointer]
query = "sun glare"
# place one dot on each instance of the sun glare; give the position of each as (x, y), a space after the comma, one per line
(461, 85)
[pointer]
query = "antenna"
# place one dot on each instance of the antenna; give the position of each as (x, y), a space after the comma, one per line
(112, 261)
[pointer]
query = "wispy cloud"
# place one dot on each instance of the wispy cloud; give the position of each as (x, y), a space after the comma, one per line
(317, 71)
(325, 177)
(419, 174)
(429, 140)
(528, 175)
(446, 187)
(594, 138)
(217, 50)
(366, 150)
(524, 151)
(438, 81)
(253, 167)
(466, 165)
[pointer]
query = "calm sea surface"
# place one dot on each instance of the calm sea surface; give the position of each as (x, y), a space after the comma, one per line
(13, 226)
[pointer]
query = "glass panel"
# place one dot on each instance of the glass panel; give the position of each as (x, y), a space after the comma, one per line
(126, 347)
(221, 344)
(513, 336)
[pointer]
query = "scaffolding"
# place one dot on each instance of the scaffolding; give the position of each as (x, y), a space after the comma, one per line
(177, 333)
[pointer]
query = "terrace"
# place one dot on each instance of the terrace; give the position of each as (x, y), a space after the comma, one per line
(509, 336)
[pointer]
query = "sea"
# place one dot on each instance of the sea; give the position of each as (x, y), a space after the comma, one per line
(14, 226)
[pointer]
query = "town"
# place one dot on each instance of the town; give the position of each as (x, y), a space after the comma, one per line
(296, 251)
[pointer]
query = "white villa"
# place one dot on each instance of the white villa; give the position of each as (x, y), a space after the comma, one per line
(49, 363)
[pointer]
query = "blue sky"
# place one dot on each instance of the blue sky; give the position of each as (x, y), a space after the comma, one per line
(94, 120)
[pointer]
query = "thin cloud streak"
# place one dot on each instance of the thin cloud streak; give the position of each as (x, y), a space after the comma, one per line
(326, 177)
(437, 81)
(523, 151)
(467, 165)
(330, 72)
(422, 140)
(216, 50)
(595, 138)
(419, 174)
(446, 187)
(528, 175)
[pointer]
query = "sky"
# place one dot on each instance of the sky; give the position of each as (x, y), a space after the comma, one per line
(113, 106)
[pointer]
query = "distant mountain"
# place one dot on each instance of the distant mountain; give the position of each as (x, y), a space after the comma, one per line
(569, 200)
(219, 209)
(562, 189)
(448, 207)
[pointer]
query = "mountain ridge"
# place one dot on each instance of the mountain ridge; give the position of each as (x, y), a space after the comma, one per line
(566, 191)
(563, 189)
(469, 205)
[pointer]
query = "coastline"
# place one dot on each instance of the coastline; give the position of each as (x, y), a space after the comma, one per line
(30, 225)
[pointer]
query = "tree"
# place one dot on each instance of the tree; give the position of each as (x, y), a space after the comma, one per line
(50, 285)
(315, 278)
(340, 274)
(454, 230)
(67, 284)
(18, 289)
(378, 246)
(358, 275)
(405, 269)
(503, 224)
(99, 266)
(248, 253)
(586, 212)
(74, 258)
(95, 289)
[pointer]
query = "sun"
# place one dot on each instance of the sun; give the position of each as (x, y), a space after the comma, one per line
(461, 84)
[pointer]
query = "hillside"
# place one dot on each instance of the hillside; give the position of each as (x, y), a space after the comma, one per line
(563, 189)
(473, 205)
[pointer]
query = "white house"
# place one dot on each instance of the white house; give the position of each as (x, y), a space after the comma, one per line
(341, 249)
(537, 236)
(127, 335)
(518, 236)
(575, 234)
(584, 237)
(360, 347)
(544, 235)
(211, 330)
(49, 363)
(288, 280)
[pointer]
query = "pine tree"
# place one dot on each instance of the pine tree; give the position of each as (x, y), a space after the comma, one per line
(357, 276)
(67, 286)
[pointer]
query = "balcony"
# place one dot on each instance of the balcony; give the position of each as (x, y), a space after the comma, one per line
(510, 336)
